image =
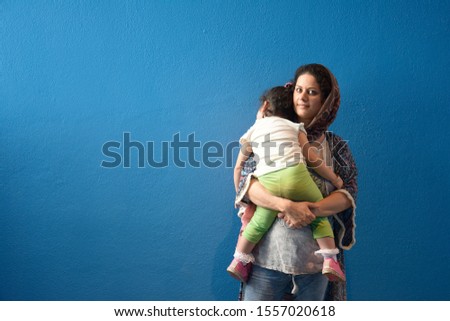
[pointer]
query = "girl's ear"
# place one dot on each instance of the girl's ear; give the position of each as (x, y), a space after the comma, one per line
(262, 110)
(264, 107)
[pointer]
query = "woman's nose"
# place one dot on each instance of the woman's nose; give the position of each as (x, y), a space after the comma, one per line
(302, 96)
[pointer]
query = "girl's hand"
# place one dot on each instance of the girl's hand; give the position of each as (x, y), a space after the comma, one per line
(338, 182)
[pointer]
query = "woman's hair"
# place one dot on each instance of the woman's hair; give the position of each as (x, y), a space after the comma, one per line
(321, 74)
(280, 102)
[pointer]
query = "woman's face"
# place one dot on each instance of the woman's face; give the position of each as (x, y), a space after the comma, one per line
(307, 98)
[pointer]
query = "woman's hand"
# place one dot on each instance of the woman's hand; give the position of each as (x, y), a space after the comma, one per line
(298, 214)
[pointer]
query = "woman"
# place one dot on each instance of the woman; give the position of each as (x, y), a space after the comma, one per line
(285, 263)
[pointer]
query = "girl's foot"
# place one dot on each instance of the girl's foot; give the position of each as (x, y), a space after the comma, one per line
(332, 270)
(239, 271)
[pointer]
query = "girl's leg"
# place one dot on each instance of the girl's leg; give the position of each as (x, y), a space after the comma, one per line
(259, 224)
(255, 230)
(323, 233)
(262, 219)
(326, 243)
(307, 190)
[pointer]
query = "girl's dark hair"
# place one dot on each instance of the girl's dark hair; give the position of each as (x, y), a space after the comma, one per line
(320, 73)
(280, 102)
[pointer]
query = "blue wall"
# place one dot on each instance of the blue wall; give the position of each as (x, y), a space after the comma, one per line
(76, 75)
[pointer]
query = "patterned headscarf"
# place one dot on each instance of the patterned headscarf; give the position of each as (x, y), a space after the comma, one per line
(327, 113)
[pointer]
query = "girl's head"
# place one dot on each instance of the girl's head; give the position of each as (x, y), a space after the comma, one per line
(277, 101)
(316, 98)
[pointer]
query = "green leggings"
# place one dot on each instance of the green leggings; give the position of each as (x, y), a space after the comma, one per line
(294, 183)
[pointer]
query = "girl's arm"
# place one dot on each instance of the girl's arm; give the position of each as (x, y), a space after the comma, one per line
(316, 163)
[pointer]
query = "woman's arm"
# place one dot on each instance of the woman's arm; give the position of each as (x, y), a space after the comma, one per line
(296, 214)
(332, 204)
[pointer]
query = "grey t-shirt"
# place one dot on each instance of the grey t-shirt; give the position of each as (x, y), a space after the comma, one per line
(288, 250)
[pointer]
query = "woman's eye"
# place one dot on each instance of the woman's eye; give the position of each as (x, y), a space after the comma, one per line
(311, 92)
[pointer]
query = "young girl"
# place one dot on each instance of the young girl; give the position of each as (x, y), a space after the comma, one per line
(280, 148)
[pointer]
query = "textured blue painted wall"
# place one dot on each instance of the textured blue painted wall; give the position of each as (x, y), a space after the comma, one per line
(75, 75)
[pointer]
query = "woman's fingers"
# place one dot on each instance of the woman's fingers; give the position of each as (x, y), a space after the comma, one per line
(298, 214)
(311, 205)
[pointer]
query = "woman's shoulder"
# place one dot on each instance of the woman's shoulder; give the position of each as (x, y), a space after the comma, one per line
(333, 137)
(340, 149)
(336, 141)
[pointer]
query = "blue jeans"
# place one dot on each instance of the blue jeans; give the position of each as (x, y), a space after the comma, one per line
(270, 285)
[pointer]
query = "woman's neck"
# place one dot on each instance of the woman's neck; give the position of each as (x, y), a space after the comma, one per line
(320, 139)
(306, 122)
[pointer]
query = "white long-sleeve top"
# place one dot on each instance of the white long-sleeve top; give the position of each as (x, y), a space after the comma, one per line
(274, 141)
